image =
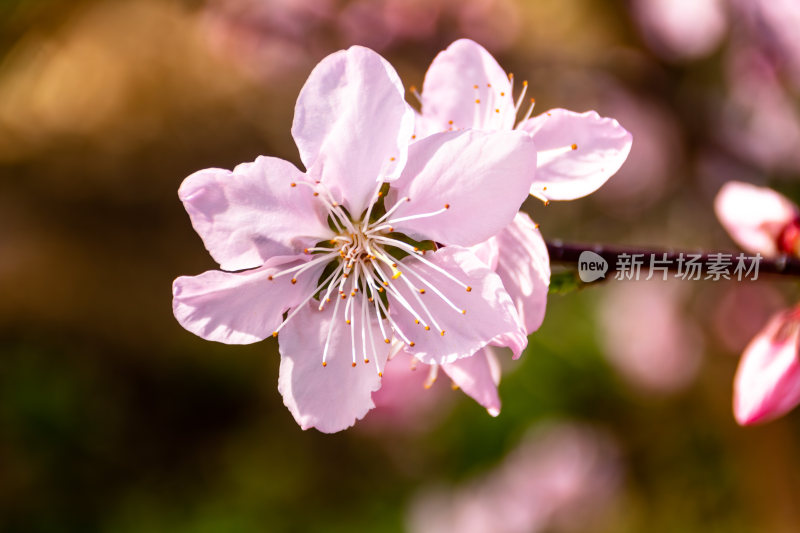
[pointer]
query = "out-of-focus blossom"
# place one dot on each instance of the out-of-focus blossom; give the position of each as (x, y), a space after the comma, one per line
(759, 118)
(759, 219)
(767, 383)
(647, 336)
(561, 477)
(655, 158)
(267, 37)
(740, 310)
(336, 232)
(681, 29)
(383, 23)
(772, 25)
(465, 88)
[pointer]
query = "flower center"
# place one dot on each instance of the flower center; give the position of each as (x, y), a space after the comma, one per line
(363, 267)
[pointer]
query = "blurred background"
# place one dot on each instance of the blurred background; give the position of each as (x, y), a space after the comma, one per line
(616, 419)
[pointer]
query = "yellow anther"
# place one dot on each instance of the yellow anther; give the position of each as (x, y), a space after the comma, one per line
(353, 365)
(422, 291)
(574, 146)
(412, 344)
(397, 275)
(427, 328)
(478, 101)
(324, 363)
(447, 206)
(469, 289)
(474, 86)
(496, 110)
(294, 184)
(274, 333)
(442, 333)
(387, 341)
(463, 311)
(366, 361)
(294, 280)
(391, 159)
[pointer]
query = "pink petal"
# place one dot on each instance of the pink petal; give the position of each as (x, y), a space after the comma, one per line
(754, 216)
(767, 383)
(600, 144)
(333, 397)
(240, 308)
(478, 376)
(352, 124)
(481, 178)
(253, 213)
(524, 266)
(465, 88)
(487, 251)
(489, 313)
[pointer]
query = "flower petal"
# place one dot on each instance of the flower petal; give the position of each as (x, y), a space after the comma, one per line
(352, 125)
(490, 313)
(767, 383)
(478, 376)
(465, 88)
(242, 307)
(333, 397)
(474, 180)
(252, 213)
(754, 216)
(524, 266)
(578, 152)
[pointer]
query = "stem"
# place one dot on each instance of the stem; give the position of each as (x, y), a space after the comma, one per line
(568, 253)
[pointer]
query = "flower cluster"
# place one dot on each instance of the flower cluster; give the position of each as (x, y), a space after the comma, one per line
(403, 233)
(767, 382)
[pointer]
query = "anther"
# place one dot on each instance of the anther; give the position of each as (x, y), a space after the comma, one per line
(450, 122)
(474, 86)
(477, 101)
(366, 361)
(274, 333)
(324, 363)
(469, 289)
(294, 184)
(414, 136)
(496, 110)
(387, 341)
(416, 321)
(442, 333)
(422, 291)
(391, 159)
(348, 322)
(463, 311)
(294, 280)
(316, 194)
(380, 374)
(269, 278)
(427, 328)
(447, 206)
(412, 344)
(488, 84)
(502, 94)
(353, 365)
(574, 147)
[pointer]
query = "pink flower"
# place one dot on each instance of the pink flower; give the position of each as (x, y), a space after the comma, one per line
(341, 248)
(759, 219)
(518, 254)
(767, 383)
(681, 29)
(577, 152)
